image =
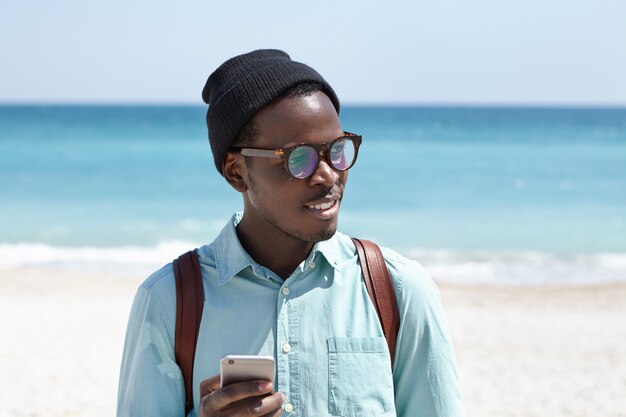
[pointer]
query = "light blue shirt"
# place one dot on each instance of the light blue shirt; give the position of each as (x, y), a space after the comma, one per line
(319, 324)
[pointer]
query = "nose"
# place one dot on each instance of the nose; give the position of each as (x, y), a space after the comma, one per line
(324, 174)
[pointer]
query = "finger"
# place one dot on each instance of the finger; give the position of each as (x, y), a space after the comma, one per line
(275, 413)
(222, 397)
(209, 385)
(269, 405)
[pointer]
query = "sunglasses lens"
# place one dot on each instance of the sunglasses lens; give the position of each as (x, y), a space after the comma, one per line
(302, 161)
(342, 154)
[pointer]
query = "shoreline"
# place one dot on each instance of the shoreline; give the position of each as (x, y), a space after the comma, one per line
(521, 350)
(485, 267)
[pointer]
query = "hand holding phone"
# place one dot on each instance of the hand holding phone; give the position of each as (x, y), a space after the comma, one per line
(243, 398)
(250, 381)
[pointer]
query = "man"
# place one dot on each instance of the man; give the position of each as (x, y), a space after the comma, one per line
(280, 281)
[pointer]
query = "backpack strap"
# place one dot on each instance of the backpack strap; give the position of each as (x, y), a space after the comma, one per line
(189, 305)
(380, 289)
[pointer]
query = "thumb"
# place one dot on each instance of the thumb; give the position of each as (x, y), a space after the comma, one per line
(209, 385)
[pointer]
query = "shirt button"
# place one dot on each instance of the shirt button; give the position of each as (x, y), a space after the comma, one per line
(286, 348)
(285, 291)
(288, 407)
(311, 264)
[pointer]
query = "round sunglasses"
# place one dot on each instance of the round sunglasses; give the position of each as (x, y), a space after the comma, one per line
(302, 160)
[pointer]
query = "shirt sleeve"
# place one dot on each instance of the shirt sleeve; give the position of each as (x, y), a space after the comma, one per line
(151, 382)
(425, 377)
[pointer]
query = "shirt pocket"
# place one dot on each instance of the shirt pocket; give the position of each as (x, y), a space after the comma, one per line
(359, 377)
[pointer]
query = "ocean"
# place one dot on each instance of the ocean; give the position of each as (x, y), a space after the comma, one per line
(508, 196)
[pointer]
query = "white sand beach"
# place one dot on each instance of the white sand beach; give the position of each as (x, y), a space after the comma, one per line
(540, 351)
(531, 351)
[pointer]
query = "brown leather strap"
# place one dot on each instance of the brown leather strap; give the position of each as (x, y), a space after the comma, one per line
(380, 289)
(189, 305)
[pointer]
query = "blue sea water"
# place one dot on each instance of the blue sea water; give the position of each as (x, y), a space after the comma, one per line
(477, 194)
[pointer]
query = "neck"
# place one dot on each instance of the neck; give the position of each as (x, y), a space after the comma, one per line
(273, 248)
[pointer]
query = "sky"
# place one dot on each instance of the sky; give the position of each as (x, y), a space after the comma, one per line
(444, 52)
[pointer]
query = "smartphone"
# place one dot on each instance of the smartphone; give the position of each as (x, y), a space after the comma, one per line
(240, 368)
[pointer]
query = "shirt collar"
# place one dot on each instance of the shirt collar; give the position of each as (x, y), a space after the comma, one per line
(334, 250)
(231, 258)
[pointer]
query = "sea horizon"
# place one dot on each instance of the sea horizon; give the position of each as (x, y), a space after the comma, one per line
(357, 104)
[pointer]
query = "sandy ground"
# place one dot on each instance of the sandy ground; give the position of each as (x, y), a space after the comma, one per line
(540, 351)
(521, 351)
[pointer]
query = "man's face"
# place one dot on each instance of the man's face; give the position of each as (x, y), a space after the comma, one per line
(275, 202)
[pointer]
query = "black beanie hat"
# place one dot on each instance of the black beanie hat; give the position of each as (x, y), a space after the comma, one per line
(241, 86)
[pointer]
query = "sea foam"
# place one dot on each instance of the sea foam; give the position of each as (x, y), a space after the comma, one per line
(122, 258)
(493, 267)
(521, 267)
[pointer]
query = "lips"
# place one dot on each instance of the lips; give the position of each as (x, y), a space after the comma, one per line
(323, 206)
(324, 210)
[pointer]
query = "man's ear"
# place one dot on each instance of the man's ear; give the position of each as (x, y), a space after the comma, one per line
(234, 170)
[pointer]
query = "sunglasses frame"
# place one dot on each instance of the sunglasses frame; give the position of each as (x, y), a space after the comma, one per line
(322, 151)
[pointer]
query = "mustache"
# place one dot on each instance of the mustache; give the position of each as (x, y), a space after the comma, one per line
(332, 193)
